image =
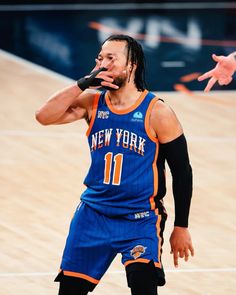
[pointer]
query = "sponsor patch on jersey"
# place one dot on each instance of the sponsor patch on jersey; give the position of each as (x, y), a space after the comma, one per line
(137, 251)
(103, 114)
(137, 117)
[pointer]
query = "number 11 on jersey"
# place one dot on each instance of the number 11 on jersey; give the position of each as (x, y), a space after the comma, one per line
(118, 161)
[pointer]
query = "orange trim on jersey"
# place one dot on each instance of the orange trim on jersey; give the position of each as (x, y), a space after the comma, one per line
(147, 120)
(154, 164)
(80, 275)
(158, 226)
(143, 260)
(128, 110)
(155, 178)
(94, 112)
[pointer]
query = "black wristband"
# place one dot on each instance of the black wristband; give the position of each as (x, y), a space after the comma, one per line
(90, 80)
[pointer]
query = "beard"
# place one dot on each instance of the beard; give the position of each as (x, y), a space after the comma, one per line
(119, 81)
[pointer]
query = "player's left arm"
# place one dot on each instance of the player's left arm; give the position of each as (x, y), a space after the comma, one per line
(169, 131)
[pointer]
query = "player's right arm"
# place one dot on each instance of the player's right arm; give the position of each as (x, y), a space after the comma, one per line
(74, 102)
(65, 106)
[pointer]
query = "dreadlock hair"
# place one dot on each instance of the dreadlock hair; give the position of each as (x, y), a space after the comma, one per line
(136, 56)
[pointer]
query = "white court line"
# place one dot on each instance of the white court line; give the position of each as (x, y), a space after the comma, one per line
(190, 270)
(80, 134)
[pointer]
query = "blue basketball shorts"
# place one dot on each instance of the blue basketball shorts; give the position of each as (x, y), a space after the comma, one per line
(94, 240)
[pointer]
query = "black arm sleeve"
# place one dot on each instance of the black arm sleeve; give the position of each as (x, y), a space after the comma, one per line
(176, 154)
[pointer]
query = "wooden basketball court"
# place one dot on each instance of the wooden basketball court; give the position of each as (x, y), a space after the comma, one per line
(41, 175)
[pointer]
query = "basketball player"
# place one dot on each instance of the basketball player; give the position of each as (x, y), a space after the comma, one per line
(130, 135)
(223, 71)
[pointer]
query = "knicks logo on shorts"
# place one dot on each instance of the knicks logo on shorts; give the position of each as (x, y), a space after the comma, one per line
(137, 251)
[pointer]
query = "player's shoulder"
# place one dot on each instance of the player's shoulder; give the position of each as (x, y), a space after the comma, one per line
(160, 108)
(164, 121)
(162, 114)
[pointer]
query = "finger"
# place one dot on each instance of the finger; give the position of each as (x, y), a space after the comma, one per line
(202, 77)
(109, 65)
(95, 72)
(217, 58)
(175, 257)
(206, 75)
(97, 61)
(104, 83)
(181, 253)
(210, 84)
(186, 254)
(105, 78)
(229, 80)
(105, 74)
(97, 66)
(191, 250)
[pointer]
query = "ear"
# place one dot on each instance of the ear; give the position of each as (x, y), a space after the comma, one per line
(132, 67)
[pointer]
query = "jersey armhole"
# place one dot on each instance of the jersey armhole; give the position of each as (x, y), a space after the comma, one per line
(94, 112)
(147, 120)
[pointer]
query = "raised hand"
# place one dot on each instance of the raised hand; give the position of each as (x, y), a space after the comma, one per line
(223, 71)
(100, 76)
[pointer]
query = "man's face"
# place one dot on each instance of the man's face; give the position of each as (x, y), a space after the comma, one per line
(113, 56)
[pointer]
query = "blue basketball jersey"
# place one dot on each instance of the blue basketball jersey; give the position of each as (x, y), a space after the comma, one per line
(123, 175)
